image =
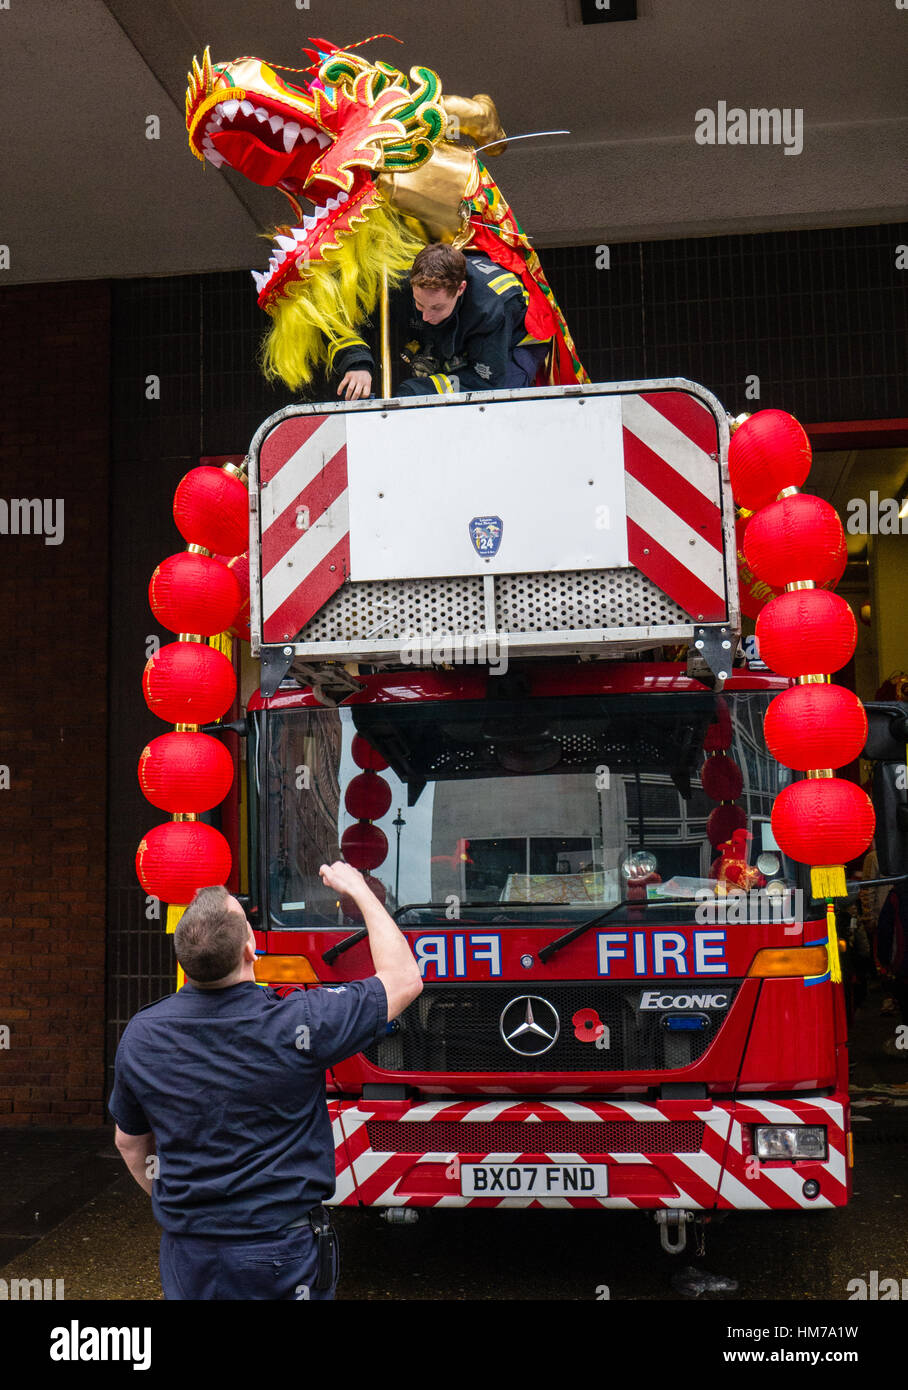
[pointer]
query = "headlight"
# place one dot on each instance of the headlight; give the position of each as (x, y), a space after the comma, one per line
(790, 1141)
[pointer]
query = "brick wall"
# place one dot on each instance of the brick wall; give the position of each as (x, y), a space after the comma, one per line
(54, 444)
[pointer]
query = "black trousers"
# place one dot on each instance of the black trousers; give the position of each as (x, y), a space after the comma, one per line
(284, 1266)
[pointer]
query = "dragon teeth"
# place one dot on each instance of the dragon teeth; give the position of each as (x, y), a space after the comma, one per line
(291, 131)
(261, 114)
(286, 243)
(228, 108)
(260, 279)
(275, 123)
(247, 108)
(323, 140)
(342, 197)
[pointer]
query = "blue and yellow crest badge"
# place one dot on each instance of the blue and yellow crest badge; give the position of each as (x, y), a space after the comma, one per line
(485, 533)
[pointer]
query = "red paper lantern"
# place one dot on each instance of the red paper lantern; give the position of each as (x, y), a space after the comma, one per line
(176, 858)
(211, 509)
(185, 772)
(194, 593)
(823, 821)
(718, 736)
(797, 538)
(812, 726)
(365, 756)
(364, 845)
(752, 592)
(722, 823)
(368, 796)
(189, 683)
(809, 631)
(769, 452)
(721, 778)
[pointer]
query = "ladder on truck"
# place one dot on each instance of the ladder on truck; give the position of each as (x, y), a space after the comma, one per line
(591, 521)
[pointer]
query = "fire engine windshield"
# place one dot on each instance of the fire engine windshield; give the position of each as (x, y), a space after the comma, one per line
(522, 811)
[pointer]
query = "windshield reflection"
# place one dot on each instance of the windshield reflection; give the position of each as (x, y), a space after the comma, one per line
(522, 811)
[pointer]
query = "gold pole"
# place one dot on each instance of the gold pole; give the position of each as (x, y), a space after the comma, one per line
(385, 337)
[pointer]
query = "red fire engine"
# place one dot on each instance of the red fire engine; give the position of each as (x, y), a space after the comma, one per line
(501, 673)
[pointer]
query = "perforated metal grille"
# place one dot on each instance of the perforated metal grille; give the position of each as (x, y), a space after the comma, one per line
(455, 1028)
(543, 1137)
(581, 600)
(395, 608)
(569, 600)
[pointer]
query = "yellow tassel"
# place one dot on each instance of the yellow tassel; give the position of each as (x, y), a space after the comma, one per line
(832, 946)
(341, 289)
(174, 913)
(828, 881)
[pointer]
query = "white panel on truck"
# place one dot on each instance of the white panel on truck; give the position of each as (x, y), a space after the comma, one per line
(504, 490)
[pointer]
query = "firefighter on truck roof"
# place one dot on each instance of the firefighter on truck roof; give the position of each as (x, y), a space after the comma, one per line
(465, 330)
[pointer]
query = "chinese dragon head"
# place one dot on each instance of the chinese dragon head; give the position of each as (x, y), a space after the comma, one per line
(382, 159)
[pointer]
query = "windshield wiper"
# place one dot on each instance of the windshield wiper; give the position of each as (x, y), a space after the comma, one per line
(332, 953)
(548, 951)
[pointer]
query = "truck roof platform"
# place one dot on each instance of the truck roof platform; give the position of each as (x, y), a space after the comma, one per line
(589, 521)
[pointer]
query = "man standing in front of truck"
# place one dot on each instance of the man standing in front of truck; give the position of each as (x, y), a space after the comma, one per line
(219, 1101)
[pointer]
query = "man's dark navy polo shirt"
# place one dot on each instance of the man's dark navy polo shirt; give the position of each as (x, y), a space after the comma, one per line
(232, 1083)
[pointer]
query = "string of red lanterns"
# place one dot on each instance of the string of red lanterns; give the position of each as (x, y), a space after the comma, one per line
(806, 632)
(722, 780)
(368, 797)
(203, 597)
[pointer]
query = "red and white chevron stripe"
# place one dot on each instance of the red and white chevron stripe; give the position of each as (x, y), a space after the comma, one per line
(769, 1186)
(305, 520)
(672, 486)
(672, 492)
(719, 1174)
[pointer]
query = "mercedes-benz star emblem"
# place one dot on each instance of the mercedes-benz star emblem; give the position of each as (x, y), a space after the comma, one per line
(529, 1025)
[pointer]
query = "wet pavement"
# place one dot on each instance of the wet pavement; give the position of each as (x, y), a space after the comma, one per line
(70, 1211)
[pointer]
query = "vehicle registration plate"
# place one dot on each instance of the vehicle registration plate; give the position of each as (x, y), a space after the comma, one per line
(534, 1179)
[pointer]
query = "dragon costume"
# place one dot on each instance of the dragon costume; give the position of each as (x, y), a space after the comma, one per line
(382, 159)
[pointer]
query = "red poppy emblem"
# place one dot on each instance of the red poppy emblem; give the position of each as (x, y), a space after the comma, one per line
(587, 1025)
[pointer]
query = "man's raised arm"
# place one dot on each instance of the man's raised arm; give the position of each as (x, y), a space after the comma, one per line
(394, 962)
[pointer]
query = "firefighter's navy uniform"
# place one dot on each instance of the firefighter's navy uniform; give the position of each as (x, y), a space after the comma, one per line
(482, 344)
(232, 1084)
